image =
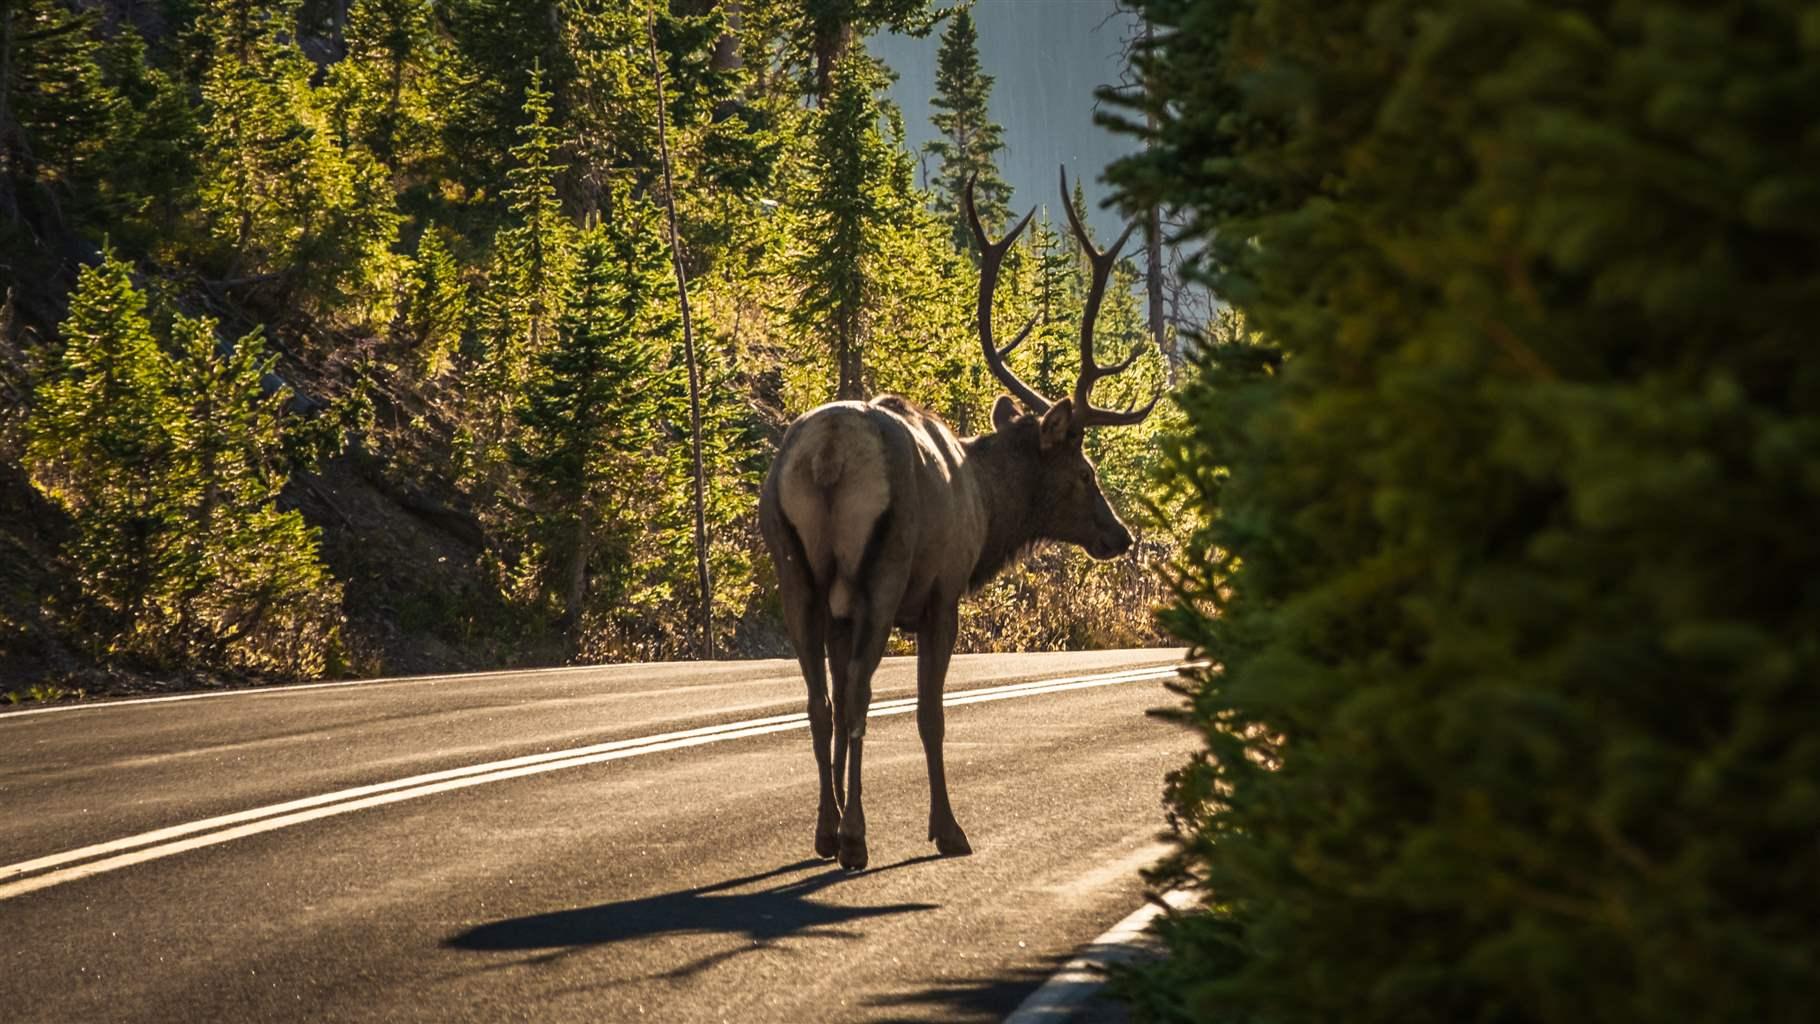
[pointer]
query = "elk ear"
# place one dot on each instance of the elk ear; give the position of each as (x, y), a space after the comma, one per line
(1056, 423)
(1003, 412)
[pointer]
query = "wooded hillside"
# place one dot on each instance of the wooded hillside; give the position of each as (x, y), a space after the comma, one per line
(345, 337)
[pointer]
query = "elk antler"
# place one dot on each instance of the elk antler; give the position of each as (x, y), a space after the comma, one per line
(1085, 414)
(991, 255)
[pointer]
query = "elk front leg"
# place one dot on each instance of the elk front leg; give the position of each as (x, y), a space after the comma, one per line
(821, 733)
(934, 646)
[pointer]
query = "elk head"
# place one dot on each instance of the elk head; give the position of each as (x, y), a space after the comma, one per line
(1067, 499)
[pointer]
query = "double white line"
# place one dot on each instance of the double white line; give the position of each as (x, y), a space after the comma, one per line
(98, 858)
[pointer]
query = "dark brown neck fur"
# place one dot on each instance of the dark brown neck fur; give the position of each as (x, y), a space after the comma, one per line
(1007, 480)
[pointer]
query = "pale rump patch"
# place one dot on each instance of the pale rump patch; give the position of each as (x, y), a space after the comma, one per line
(832, 491)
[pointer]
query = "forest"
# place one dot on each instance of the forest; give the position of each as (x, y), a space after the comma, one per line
(346, 339)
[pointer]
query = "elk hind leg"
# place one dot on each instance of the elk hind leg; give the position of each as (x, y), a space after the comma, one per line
(850, 837)
(806, 619)
(871, 627)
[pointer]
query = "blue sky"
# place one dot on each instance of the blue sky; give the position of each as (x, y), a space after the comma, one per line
(1047, 57)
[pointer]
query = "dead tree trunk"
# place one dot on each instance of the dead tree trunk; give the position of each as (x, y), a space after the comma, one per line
(702, 579)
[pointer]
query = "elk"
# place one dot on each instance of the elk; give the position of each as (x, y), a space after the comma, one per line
(876, 514)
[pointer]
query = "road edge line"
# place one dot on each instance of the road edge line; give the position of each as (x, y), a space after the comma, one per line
(282, 689)
(1083, 976)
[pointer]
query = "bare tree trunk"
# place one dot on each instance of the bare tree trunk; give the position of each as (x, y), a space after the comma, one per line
(575, 591)
(1153, 257)
(726, 48)
(831, 44)
(8, 205)
(702, 578)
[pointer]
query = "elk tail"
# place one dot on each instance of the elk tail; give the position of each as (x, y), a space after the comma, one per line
(826, 464)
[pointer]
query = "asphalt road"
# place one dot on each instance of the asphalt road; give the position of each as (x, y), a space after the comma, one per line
(578, 844)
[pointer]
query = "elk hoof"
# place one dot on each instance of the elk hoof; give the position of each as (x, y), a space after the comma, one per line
(824, 844)
(952, 843)
(853, 853)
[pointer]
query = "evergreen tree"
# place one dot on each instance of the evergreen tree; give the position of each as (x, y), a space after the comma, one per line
(732, 452)
(846, 209)
(435, 310)
(279, 191)
(99, 446)
(969, 140)
(590, 413)
(822, 34)
(247, 587)
(60, 108)
(148, 187)
(533, 257)
(1503, 570)
(382, 87)
(1054, 291)
(497, 48)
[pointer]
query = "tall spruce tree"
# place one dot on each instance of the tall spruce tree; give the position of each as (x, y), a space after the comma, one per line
(58, 110)
(281, 193)
(533, 256)
(969, 139)
(495, 48)
(846, 210)
(435, 308)
(382, 87)
(590, 415)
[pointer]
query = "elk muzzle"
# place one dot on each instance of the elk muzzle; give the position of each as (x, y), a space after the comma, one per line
(1110, 543)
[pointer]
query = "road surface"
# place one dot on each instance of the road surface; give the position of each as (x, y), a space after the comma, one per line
(576, 844)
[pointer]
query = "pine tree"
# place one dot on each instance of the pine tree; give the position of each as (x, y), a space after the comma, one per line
(533, 258)
(282, 195)
(588, 422)
(382, 87)
(497, 48)
(969, 140)
(846, 210)
(1054, 292)
(821, 36)
(732, 451)
(148, 188)
(435, 311)
(248, 589)
(99, 445)
(60, 107)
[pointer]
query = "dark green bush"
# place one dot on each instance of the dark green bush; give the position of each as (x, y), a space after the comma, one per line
(1510, 568)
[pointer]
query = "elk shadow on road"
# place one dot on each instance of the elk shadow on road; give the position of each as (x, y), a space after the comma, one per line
(781, 909)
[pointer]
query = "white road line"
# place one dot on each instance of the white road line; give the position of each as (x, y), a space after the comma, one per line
(1062, 995)
(885, 707)
(166, 842)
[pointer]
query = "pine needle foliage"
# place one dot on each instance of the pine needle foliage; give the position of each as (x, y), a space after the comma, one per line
(1504, 557)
